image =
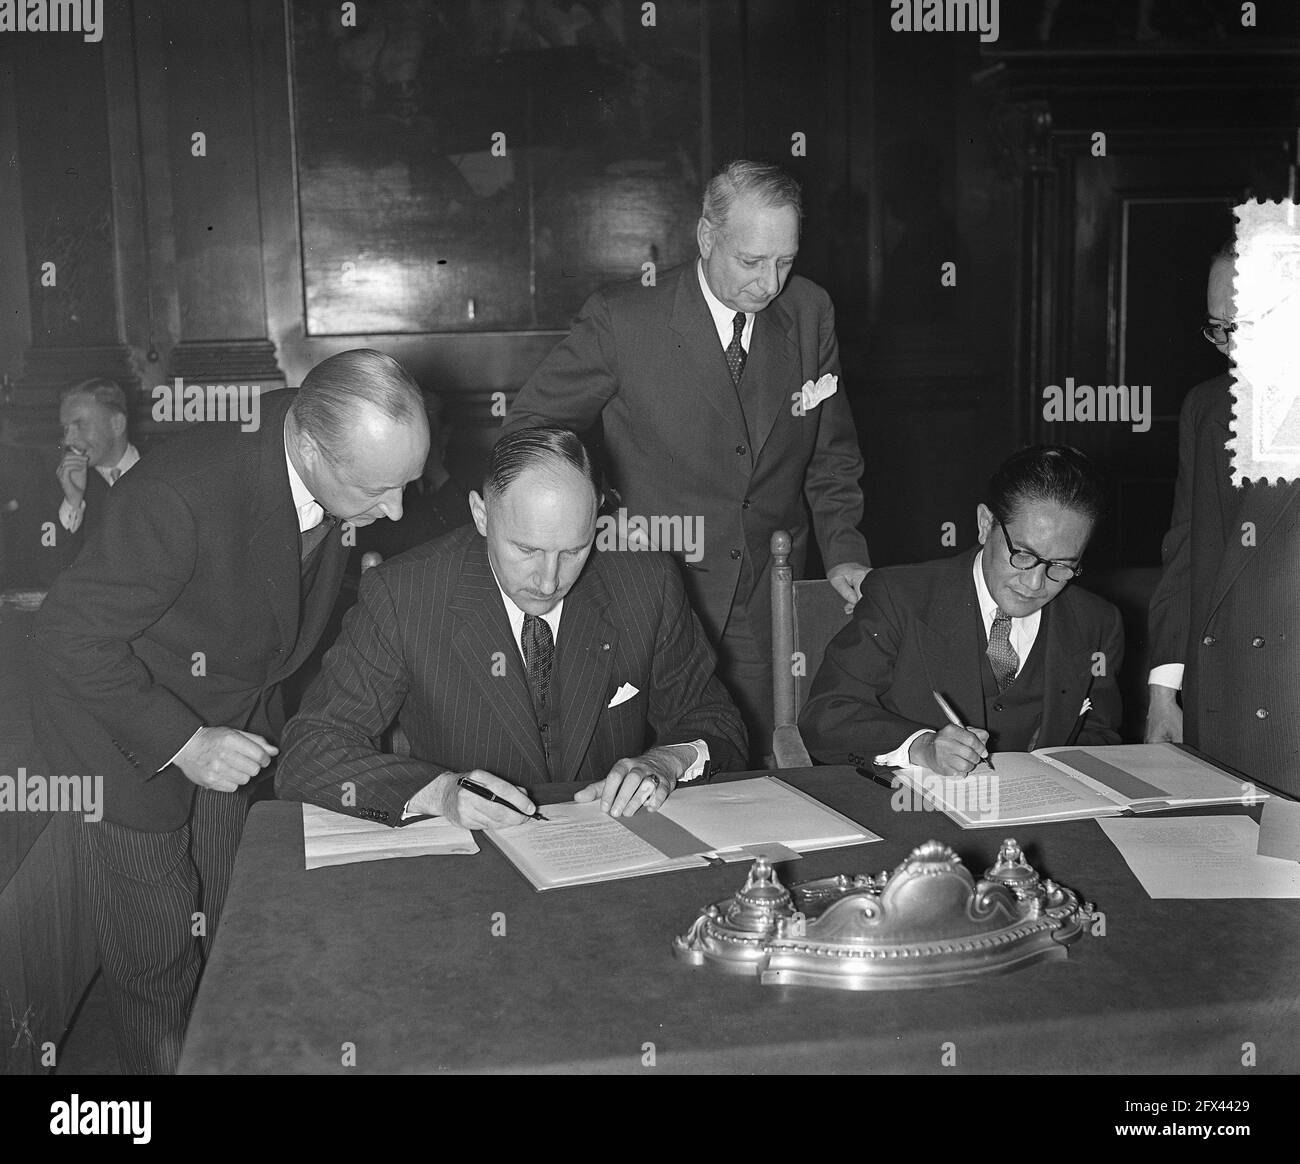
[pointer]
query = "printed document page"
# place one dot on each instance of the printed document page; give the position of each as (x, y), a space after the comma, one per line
(1201, 857)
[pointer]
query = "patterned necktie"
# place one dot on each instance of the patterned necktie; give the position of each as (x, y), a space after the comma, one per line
(539, 652)
(113, 475)
(309, 539)
(736, 350)
(1002, 656)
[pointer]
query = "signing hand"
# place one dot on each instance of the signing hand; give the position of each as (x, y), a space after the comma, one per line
(72, 475)
(223, 758)
(444, 797)
(1164, 716)
(643, 782)
(847, 580)
(952, 752)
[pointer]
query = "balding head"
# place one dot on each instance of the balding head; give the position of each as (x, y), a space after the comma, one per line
(357, 434)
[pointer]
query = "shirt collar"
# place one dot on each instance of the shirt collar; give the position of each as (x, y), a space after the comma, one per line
(988, 605)
(516, 615)
(127, 461)
(723, 316)
(310, 511)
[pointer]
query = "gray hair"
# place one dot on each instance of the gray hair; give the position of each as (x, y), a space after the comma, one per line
(103, 391)
(769, 184)
(332, 393)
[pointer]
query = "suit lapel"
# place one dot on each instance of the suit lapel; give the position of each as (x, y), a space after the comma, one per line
(771, 372)
(584, 657)
(482, 634)
(273, 538)
(706, 363)
(951, 633)
(319, 602)
(1067, 669)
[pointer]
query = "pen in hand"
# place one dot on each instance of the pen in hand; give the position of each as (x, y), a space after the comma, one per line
(953, 718)
(478, 790)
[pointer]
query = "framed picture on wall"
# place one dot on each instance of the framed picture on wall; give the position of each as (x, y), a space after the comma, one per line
(474, 165)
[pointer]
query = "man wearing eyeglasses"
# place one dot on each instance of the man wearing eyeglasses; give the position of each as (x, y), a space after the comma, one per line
(1022, 657)
(1225, 619)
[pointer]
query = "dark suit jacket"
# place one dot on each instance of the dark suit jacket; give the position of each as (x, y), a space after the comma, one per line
(197, 552)
(1226, 604)
(647, 362)
(429, 645)
(917, 630)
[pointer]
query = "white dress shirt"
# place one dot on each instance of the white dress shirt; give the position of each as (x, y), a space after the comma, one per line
(724, 316)
(70, 516)
(1024, 633)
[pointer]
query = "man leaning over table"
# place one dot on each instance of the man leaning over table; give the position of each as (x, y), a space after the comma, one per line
(512, 654)
(998, 631)
(716, 391)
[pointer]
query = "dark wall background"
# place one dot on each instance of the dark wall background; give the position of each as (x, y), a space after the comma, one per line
(922, 149)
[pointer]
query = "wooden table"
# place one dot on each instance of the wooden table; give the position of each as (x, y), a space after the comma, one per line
(404, 961)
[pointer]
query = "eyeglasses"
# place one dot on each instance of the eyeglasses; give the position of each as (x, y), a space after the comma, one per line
(1024, 560)
(1218, 333)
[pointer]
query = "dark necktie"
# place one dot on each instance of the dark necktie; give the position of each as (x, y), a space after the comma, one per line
(539, 652)
(1002, 656)
(309, 539)
(736, 350)
(113, 475)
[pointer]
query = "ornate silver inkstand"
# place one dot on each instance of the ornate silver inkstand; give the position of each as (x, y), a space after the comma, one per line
(928, 923)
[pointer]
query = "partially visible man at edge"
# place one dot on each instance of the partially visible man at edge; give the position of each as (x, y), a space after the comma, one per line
(1224, 617)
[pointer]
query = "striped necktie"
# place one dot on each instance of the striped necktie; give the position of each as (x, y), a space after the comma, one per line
(1002, 656)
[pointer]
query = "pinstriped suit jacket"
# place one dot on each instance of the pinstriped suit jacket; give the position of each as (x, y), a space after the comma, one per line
(428, 645)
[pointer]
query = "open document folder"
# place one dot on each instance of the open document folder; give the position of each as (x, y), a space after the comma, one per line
(735, 821)
(333, 838)
(1073, 783)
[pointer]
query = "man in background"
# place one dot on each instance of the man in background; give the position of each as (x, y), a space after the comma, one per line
(96, 452)
(714, 388)
(162, 651)
(1225, 617)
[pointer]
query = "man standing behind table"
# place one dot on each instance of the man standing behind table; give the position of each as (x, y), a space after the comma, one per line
(512, 654)
(93, 416)
(163, 647)
(1225, 616)
(714, 389)
(997, 631)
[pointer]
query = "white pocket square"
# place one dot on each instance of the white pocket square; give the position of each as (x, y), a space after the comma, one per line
(623, 694)
(813, 394)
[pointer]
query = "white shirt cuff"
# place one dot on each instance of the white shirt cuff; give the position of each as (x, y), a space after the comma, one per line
(1167, 675)
(899, 758)
(696, 770)
(179, 750)
(70, 515)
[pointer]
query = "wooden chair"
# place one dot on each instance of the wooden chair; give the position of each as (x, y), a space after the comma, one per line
(805, 617)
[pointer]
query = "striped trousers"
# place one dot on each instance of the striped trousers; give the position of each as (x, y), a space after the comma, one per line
(146, 892)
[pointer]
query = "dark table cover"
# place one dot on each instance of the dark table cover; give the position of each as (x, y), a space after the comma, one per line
(399, 959)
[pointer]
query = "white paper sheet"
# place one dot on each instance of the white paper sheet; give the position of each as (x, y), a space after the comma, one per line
(1201, 857)
(333, 838)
